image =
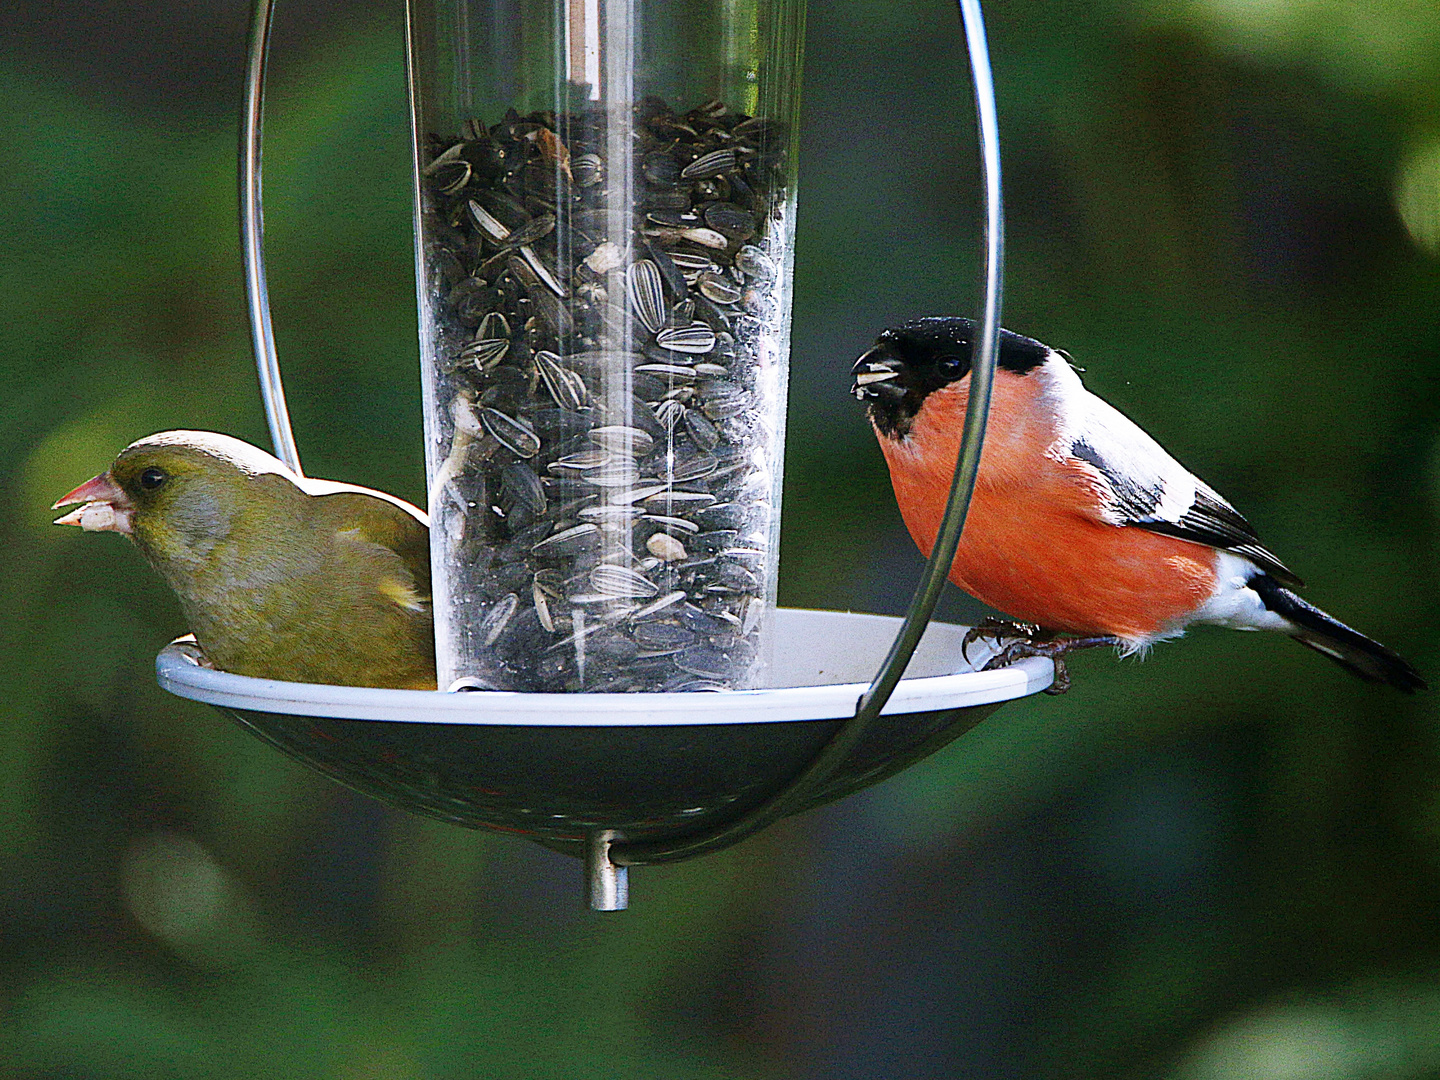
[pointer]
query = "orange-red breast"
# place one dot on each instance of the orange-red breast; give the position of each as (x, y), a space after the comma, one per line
(1080, 523)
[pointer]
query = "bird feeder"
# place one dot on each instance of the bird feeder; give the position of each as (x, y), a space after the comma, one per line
(604, 214)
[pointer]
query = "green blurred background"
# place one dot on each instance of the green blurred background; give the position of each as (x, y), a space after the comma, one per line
(1221, 862)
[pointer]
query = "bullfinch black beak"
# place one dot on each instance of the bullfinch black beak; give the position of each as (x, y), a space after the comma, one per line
(875, 373)
(106, 507)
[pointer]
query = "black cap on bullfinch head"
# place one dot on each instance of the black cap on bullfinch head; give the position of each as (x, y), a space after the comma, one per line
(1080, 522)
(919, 357)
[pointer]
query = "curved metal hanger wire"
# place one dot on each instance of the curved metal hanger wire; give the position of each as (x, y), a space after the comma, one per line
(812, 780)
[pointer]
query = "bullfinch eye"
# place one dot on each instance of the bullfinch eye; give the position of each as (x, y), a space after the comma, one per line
(152, 478)
(951, 366)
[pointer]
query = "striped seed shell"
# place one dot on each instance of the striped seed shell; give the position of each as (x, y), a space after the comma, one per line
(523, 487)
(695, 338)
(622, 439)
(753, 262)
(620, 473)
(569, 541)
(565, 386)
(669, 413)
(542, 607)
(659, 604)
(673, 524)
(647, 293)
(487, 222)
(485, 353)
(580, 461)
(515, 435)
(711, 164)
(610, 580)
(497, 618)
(717, 288)
(703, 433)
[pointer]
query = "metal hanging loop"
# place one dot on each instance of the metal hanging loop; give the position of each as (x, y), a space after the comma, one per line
(252, 237)
(804, 789)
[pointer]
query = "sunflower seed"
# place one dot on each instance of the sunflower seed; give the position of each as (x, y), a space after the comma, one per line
(754, 263)
(523, 487)
(716, 288)
(496, 619)
(515, 435)
(711, 164)
(695, 338)
(580, 461)
(662, 635)
(610, 513)
(669, 600)
(706, 237)
(620, 439)
(668, 414)
(703, 433)
(669, 371)
(610, 580)
(566, 387)
(542, 606)
(487, 222)
(485, 353)
(647, 294)
(674, 525)
(568, 541)
(613, 474)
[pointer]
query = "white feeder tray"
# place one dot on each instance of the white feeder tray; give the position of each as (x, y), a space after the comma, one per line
(562, 768)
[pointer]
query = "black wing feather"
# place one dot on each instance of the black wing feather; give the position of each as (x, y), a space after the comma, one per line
(1214, 522)
(1210, 520)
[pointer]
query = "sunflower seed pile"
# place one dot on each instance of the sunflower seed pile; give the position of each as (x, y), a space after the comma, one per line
(607, 359)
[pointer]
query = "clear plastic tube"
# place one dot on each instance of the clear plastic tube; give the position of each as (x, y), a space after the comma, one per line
(605, 206)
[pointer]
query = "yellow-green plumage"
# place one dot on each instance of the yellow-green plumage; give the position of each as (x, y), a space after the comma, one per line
(281, 576)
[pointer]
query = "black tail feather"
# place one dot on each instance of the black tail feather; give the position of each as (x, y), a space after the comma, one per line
(1349, 648)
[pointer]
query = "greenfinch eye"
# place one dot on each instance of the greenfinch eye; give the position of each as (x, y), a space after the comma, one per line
(152, 478)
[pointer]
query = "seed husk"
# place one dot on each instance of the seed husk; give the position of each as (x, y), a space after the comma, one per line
(566, 387)
(569, 541)
(673, 524)
(485, 353)
(621, 439)
(717, 288)
(754, 263)
(711, 164)
(703, 433)
(488, 223)
(669, 600)
(515, 435)
(647, 294)
(620, 581)
(668, 414)
(523, 487)
(695, 338)
(496, 619)
(542, 606)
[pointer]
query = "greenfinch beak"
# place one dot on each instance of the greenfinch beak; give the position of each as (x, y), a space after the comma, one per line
(106, 507)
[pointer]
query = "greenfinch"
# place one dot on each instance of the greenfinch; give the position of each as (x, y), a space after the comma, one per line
(280, 576)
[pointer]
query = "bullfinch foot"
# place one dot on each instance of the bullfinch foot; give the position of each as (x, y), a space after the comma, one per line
(998, 630)
(1053, 647)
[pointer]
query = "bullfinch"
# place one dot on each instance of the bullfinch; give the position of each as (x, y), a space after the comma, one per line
(280, 576)
(1081, 525)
